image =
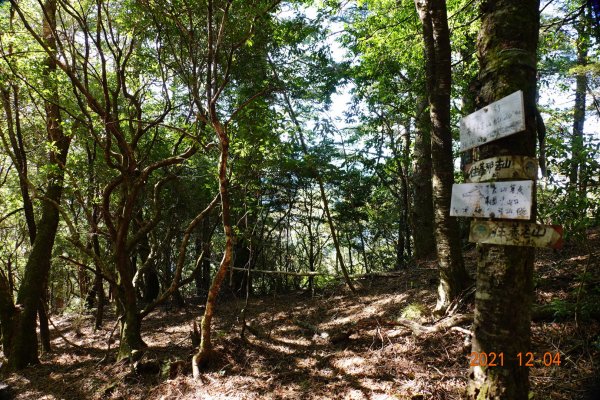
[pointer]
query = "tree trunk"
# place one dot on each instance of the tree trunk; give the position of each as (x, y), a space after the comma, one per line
(131, 337)
(422, 210)
(453, 276)
(577, 144)
(506, 46)
(98, 280)
(24, 342)
(97, 292)
(404, 190)
(43, 318)
(203, 247)
(7, 312)
(202, 358)
(400, 261)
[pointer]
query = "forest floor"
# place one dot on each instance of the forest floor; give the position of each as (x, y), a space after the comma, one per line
(333, 346)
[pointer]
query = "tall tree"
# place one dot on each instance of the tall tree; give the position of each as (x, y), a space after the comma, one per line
(506, 48)
(436, 35)
(23, 348)
(228, 31)
(582, 44)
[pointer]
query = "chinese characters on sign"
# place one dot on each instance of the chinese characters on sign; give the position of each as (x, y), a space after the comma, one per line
(497, 120)
(510, 200)
(500, 199)
(516, 234)
(505, 167)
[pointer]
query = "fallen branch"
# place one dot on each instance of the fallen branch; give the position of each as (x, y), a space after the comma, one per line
(59, 333)
(462, 330)
(376, 275)
(262, 271)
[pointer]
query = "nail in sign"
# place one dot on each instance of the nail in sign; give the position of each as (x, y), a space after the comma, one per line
(509, 200)
(497, 120)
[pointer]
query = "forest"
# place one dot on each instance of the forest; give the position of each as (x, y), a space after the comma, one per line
(300, 199)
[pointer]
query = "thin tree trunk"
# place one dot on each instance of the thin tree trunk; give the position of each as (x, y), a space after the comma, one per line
(502, 321)
(334, 237)
(324, 199)
(98, 280)
(202, 358)
(98, 292)
(19, 154)
(404, 190)
(453, 276)
(350, 254)
(363, 249)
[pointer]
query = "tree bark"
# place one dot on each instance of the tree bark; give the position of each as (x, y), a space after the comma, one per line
(131, 338)
(404, 190)
(7, 312)
(202, 358)
(43, 318)
(23, 349)
(19, 158)
(577, 144)
(422, 210)
(453, 276)
(506, 47)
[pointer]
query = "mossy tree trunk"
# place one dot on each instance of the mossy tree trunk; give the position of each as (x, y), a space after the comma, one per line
(453, 277)
(131, 322)
(23, 349)
(506, 47)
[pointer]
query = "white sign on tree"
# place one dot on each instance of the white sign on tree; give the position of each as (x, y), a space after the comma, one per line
(510, 200)
(494, 121)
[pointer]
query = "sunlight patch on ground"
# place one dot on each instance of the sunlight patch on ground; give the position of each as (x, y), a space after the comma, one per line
(351, 365)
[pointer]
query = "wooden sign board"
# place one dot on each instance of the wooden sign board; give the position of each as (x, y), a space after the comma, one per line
(510, 200)
(516, 234)
(497, 120)
(505, 167)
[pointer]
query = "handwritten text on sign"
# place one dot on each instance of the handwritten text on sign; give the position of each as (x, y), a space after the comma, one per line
(510, 200)
(504, 167)
(516, 234)
(497, 120)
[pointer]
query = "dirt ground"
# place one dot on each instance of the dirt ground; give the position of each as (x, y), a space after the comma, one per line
(333, 346)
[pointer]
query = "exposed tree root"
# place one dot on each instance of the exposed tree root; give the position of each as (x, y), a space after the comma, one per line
(442, 325)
